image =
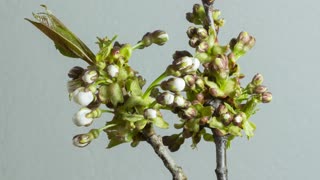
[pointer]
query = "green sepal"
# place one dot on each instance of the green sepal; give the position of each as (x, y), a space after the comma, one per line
(133, 87)
(114, 93)
(208, 137)
(249, 128)
(235, 130)
(160, 122)
(214, 123)
(131, 117)
(65, 41)
(141, 124)
(106, 46)
(230, 108)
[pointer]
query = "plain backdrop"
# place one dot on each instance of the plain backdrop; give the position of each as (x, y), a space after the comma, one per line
(35, 113)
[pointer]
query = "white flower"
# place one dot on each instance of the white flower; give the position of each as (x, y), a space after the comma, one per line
(176, 84)
(113, 70)
(81, 140)
(168, 98)
(195, 64)
(238, 119)
(82, 97)
(80, 118)
(150, 113)
(90, 76)
(165, 98)
(179, 101)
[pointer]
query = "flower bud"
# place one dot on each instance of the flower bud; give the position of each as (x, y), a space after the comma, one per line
(202, 33)
(165, 98)
(75, 72)
(203, 47)
(257, 79)
(80, 118)
(180, 54)
(113, 70)
(222, 109)
(227, 118)
(186, 64)
(147, 40)
(192, 31)
(82, 96)
(260, 89)
(81, 140)
(159, 37)
(90, 76)
(150, 113)
(179, 101)
(173, 84)
(200, 84)
(266, 97)
(190, 80)
(204, 120)
(194, 42)
(189, 113)
(239, 118)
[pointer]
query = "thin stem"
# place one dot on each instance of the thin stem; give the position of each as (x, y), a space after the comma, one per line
(208, 7)
(137, 46)
(154, 84)
(156, 142)
(221, 156)
(107, 111)
(106, 127)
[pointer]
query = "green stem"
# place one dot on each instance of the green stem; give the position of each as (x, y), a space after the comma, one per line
(137, 46)
(154, 84)
(106, 127)
(107, 111)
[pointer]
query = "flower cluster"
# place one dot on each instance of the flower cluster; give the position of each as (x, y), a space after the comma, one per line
(203, 89)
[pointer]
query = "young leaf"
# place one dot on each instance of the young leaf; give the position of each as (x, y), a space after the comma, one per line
(65, 41)
(249, 128)
(159, 122)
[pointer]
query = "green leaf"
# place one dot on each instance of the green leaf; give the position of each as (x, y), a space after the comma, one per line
(214, 123)
(207, 111)
(114, 93)
(114, 142)
(235, 130)
(65, 41)
(159, 122)
(141, 124)
(230, 108)
(249, 128)
(208, 137)
(134, 87)
(106, 49)
(131, 117)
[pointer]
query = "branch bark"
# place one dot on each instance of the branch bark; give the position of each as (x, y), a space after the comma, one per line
(221, 156)
(208, 6)
(156, 142)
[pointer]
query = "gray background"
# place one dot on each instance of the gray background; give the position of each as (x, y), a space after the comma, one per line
(35, 113)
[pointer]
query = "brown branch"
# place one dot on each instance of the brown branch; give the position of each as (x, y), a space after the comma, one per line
(221, 155)
(156, 142)
(208, 7)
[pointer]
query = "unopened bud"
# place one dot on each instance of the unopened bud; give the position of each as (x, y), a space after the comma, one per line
(237, 120)
(179, 101)
(202, 33)
(81, 140)
(191, 32)
(194, 42)
(75, 72)
(150, 113)
(160, 37)
(165, 98)
(257, 79)
(204, 120)
(82, 97)
(90, 76)
(222, 109)
(203, 47)
(190, 80)
(189, 113)
(180, 54)
(80, 118)
(173, 84)
(113, 70)
(260, 89)
(227, 118)
(266, 97)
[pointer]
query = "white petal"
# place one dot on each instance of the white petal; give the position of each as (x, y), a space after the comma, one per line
(80, 118)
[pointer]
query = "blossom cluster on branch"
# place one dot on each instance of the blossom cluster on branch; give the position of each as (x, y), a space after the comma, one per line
(202, 88)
